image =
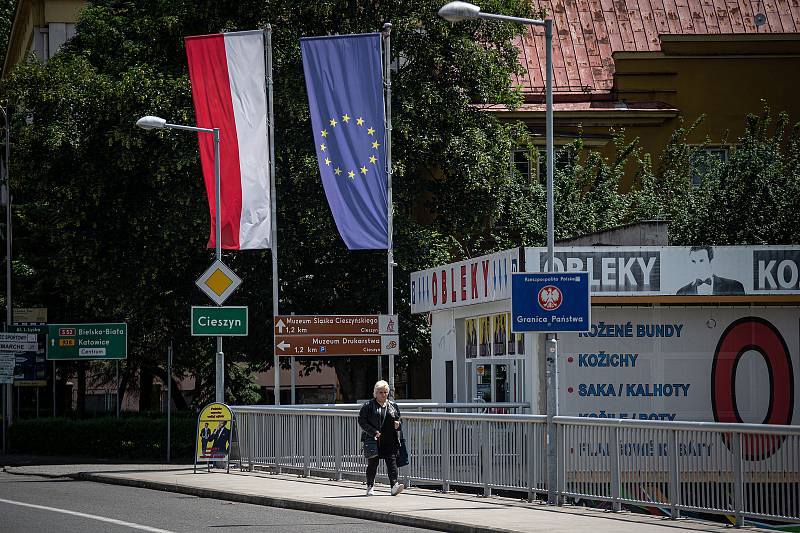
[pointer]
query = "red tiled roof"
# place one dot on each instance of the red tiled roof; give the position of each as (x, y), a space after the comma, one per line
(585, 106)
(587, 32)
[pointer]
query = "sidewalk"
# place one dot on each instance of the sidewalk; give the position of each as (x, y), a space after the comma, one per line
(415, 507)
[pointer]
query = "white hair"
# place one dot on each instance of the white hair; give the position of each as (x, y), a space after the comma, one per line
(379, 385)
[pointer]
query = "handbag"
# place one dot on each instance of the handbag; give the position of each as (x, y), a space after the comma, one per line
(402, 454)
(370, 447)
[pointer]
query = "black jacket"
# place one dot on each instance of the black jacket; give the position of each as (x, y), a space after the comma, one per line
(370, 419)
(718, 286)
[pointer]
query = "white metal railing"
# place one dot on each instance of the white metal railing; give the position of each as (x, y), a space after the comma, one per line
(405, 406)
(741, 470)
(490, 451)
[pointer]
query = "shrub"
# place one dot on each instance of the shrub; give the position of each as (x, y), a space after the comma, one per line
(139, 438)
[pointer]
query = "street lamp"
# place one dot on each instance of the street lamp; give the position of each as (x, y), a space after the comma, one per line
(456, 12)
(151, 123)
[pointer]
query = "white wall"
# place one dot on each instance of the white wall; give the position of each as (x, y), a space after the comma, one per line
(443, 348)
(447, 344)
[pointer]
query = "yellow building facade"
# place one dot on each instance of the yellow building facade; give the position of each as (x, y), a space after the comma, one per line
(40, 27)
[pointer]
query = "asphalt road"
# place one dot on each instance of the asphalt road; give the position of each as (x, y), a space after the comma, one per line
(34, 504)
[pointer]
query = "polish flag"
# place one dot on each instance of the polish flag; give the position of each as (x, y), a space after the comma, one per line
(227, 72)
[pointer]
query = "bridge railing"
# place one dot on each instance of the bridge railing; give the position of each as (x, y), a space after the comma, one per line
(489, 451)
(740, 470)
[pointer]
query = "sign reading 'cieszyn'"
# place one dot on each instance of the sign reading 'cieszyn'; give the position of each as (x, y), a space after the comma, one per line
(328, 335)
(219, 321)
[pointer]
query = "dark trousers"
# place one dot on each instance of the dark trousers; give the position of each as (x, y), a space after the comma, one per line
(391, 469)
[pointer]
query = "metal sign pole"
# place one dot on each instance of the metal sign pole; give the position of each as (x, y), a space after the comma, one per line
(9, 308)
(551, 345)
(169, 400)
(293, 380)
(387, 83)
(5, 430)
(276, 364)
(54, 389)
(220, 367)
(117, 394)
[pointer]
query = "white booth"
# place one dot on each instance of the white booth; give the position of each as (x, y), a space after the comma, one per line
(677, 333)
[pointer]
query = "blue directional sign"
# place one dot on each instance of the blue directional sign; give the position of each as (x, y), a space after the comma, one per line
(550, 302)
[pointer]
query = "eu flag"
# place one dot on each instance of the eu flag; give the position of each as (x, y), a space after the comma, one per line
(345, 96)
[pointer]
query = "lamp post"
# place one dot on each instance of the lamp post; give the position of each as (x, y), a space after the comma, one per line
(150, 123)
(6, 194)
(456, 12)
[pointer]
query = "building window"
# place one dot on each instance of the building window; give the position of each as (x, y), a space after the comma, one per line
(490, 336)
(471, 343)
(704, 158)
(41, 44)
(47, 40)
(521, 161)
(535, 171)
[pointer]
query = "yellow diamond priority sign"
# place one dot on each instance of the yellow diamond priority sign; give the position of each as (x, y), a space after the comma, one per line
(218, 282)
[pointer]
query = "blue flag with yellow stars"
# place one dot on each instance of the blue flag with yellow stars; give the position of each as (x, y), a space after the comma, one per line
(345, 95)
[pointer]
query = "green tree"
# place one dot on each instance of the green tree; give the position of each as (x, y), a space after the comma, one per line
(113, 220)
(7, 8)
(750, 198)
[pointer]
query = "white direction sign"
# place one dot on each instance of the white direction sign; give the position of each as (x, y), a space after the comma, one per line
(18, 342)
(218, 282)
(7, 363)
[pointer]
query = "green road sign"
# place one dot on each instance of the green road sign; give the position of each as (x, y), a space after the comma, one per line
(219, 321)
(87, 341)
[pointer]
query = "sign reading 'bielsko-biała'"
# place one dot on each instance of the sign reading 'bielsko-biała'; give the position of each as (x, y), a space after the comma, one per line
(87, 341)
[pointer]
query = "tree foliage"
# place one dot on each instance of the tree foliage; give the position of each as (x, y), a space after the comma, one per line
(750, 198)
(112, 221)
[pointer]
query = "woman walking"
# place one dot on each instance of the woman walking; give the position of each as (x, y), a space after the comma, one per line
(379, 419)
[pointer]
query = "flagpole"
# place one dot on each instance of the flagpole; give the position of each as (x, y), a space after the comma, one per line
(273, 205)
(219, 395)
(387, 83)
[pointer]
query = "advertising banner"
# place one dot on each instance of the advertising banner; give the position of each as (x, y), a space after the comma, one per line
(678, 270)
(705, 364)
(482, 279)
(616, 271)
(214, 427)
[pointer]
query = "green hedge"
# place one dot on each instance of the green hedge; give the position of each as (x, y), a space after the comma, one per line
(130, 437)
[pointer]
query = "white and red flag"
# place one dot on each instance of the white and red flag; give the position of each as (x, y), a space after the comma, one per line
(227, 72)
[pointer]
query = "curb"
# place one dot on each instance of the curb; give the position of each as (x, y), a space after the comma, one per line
(7, 470)
(298, 505)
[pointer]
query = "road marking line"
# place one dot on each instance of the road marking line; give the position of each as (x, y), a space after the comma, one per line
(91, 516)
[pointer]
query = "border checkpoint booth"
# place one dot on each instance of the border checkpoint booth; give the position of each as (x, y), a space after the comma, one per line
(677, 333)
